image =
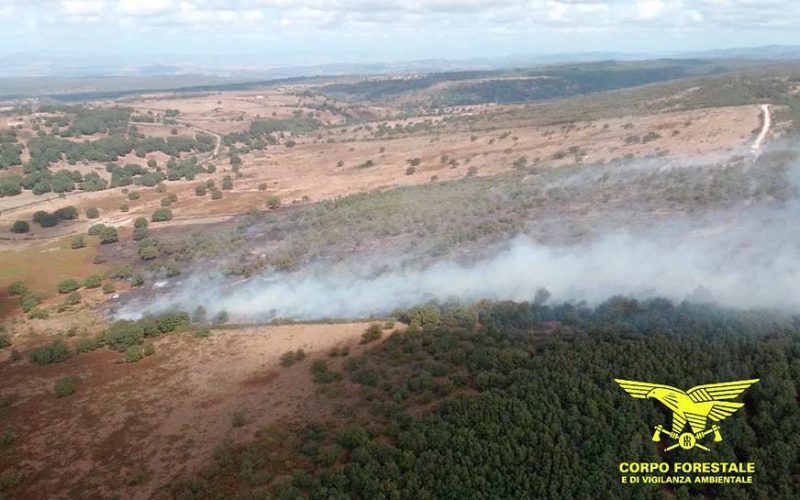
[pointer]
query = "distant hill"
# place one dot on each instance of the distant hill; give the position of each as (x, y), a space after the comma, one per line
(768, 52)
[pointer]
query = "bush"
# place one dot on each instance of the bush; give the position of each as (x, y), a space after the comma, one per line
(216, 194)
(227, 182)
(322, 375)
(273, 202)
(140, 233)
(92, 213)
(6, 438)
(56, 352)
(137, 279)
(77, 242)
(96, 229)
(72, 298)
(17, 288)
(38, 313)
(238, 420)
(291, 357)
(20, 227)
(203, 333)
(200, 191)
(65, 386)
(410, 170)
(109, 288)
(133, 354)
(262, 186)
(88, 345)
(149, 350)
(5, 339)
(134, 195)
(373, 333)
(140, 222)
(124, 207)
(161, 215)
(29, 301)
(93, 281)
(123, 334)
(148, 252)
(68, 286)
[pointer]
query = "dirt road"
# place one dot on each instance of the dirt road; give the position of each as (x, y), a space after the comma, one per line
(756, 148)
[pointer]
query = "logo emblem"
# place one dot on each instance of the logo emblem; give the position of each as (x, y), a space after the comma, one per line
(696, 407)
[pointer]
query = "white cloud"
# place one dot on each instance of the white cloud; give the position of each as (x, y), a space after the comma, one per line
(83, 7)
(425, 26)
(648, 10)
(144, 7)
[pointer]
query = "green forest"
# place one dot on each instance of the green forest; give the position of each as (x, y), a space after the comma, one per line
(517, 400)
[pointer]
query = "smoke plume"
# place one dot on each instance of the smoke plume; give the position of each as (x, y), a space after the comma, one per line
(746, 259)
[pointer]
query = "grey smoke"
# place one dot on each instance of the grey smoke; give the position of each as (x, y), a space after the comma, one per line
(746, 259)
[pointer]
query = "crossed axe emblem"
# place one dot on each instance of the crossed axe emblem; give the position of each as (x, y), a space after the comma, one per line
(687, 440)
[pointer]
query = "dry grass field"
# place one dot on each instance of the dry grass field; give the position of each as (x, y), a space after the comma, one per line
(125, 422)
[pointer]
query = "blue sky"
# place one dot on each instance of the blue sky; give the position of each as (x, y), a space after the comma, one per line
(285, 32)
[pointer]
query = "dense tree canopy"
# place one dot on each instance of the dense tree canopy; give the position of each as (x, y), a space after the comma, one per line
(526, 407)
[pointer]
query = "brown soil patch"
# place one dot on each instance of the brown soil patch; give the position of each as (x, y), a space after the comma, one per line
(133, 428)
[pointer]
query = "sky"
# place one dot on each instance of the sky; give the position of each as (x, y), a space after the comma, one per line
(299, 32)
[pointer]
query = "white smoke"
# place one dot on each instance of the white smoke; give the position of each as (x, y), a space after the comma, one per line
(746, 261)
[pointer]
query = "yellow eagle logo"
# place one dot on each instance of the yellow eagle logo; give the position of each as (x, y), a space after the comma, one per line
(696, 406)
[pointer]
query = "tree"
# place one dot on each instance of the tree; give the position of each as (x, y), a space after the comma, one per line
(221, 318)
(200, 191)
(109, 235)
(92, 213)
(227, 182)
(20, 227)
(199, 315)
(140, 222)
(66, 213)
(96, 229)
(161, 215)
